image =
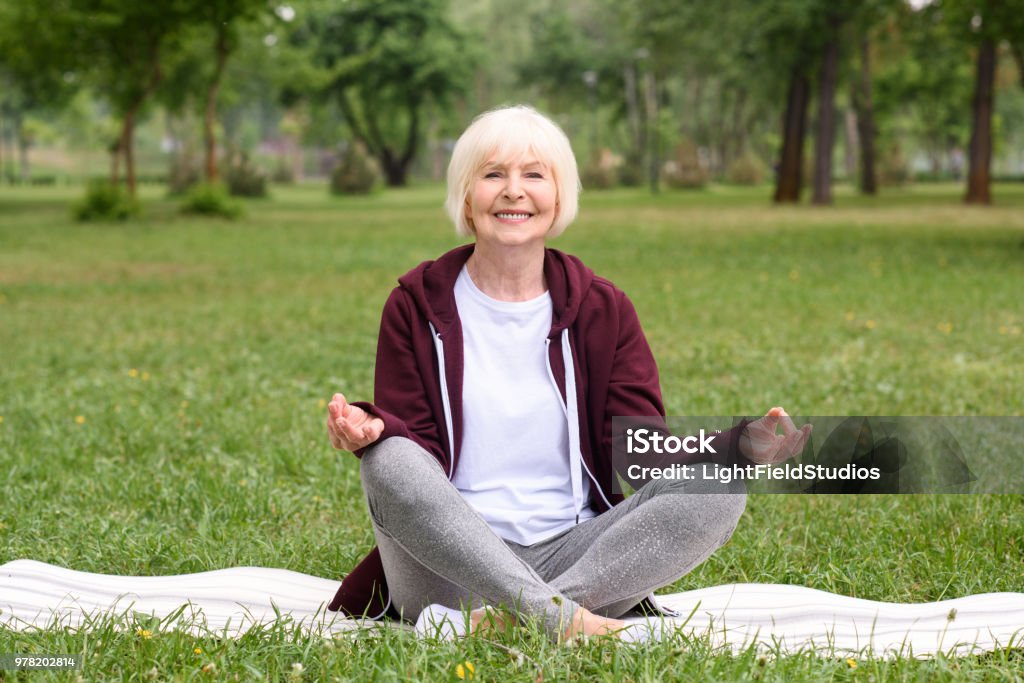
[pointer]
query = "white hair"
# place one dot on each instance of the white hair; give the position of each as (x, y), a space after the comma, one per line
(509, 134)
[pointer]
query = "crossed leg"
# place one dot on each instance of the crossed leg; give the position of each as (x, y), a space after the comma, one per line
(436, 549)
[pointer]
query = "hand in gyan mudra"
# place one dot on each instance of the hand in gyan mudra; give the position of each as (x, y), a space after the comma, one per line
(350, 427)
(762, 443)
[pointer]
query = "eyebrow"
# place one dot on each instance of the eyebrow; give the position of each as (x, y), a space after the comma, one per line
(502, 165)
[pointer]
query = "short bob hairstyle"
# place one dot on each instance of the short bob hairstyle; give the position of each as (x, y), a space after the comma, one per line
(509, 134)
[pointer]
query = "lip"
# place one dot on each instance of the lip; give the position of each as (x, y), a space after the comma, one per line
(522, 216)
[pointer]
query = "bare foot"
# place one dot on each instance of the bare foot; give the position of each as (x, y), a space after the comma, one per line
(490, 619)
(586, 623)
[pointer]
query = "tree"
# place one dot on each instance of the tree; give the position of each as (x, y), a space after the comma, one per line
(985, 24)
(37, 71)
(223, 18)
(383, 62)
(126, 41)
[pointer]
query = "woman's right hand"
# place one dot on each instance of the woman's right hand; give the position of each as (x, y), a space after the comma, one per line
(350, 427)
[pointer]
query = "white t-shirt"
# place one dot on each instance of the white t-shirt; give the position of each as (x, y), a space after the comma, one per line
(514, 463)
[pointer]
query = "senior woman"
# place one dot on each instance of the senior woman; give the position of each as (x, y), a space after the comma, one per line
(486, 454)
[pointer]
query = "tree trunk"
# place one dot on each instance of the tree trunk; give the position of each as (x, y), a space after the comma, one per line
(632, 107)
(23, 146)
(128, 149)
(980, 152)
(789, 178)
(221, 50)
(651, 104)
(115, 162)
(866, 122)
(851, 143)
(395, 171)
(825, 136)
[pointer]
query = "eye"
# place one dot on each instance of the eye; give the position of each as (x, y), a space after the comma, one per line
(492, 174)
(535, 174)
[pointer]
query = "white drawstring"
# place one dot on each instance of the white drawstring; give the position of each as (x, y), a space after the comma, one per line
(572, 417)
(445, 401)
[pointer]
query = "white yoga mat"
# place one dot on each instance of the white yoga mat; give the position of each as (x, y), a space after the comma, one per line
(781, 618)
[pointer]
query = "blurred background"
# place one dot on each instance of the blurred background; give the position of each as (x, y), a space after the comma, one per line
(795, 95)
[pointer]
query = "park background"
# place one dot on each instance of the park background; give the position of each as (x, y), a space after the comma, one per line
(203, 206)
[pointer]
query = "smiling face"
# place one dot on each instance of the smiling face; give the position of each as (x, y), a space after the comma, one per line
(512, 203)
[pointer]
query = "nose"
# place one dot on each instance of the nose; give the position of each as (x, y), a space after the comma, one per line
(513, 189)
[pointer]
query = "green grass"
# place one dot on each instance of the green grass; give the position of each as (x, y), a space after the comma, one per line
(196, 355)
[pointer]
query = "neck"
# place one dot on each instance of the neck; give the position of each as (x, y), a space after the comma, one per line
(508, 274)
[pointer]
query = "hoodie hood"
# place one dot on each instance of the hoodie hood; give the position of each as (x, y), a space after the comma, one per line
(432, 287)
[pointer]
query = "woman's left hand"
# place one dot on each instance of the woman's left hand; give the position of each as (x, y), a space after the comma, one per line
(760, 442)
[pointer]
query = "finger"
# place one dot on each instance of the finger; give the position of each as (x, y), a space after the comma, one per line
(787, 423)
(770, 421)
(333, 409)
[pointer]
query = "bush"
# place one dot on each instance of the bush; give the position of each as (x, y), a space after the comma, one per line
(245, 179)
(632, 173)
(892, 168)
(746, 170)
(686, 171)
(356, 173)
(600, 174)
(105, 201)
(211, 199)
(183, 175)
(283, 172)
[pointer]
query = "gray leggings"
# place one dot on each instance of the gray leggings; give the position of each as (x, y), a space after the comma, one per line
(436, 549)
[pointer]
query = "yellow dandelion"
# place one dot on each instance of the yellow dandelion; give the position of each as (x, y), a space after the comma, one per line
(322, 403)
(852, 663)
(1014, 330)
(794, 275)
(850, 316)
(465, 671)
(1003, 329)
(243, 482)
(144, 633)
(133, 373)
(145, 377)
(1, 419)
(184, 404)
(80, 419)
(870, 324)
(198, 650)
(945, 328)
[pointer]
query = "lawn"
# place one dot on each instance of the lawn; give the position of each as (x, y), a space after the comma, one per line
(164, 383)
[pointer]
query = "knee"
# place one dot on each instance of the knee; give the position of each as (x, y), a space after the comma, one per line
(715, 507)
(395, 466)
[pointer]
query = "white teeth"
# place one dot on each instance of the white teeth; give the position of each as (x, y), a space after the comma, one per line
(512, 216)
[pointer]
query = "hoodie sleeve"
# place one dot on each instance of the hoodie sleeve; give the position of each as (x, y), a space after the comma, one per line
(404, 372)
(634, 388)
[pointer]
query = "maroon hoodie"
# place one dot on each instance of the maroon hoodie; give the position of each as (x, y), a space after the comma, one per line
(614, 370)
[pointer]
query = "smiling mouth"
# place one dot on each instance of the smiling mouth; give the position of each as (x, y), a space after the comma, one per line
(513, 215)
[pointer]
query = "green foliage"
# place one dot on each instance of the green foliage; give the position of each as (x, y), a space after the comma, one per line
(244, 178)
(211, 199)
(356, 172)
(382, 62)
(749, 169)
(104, 202)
